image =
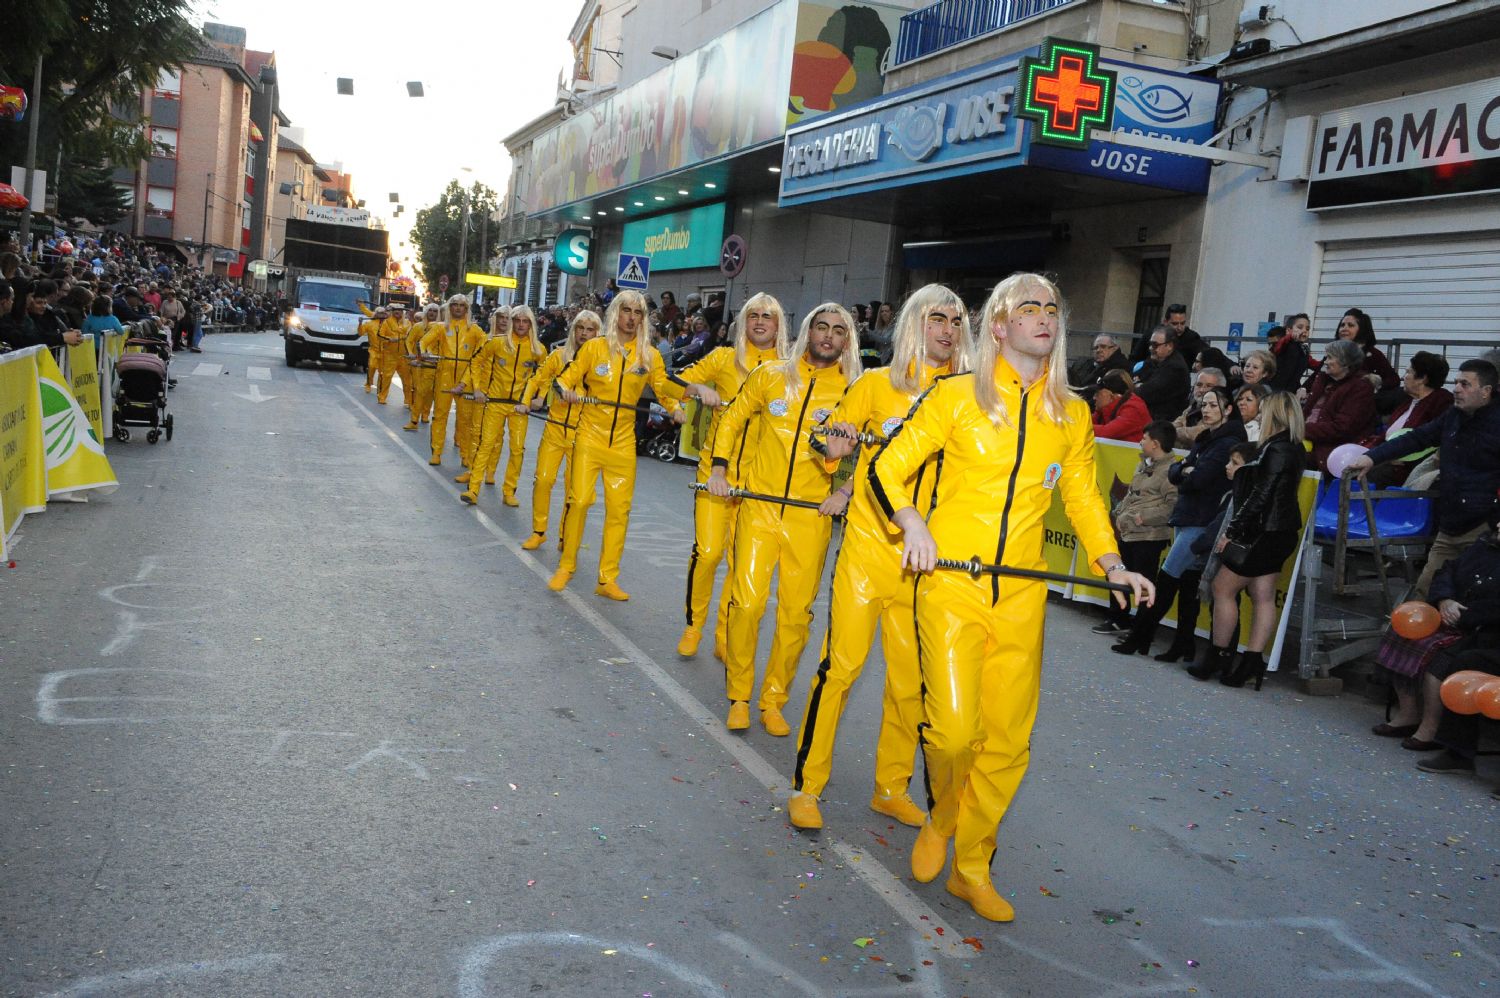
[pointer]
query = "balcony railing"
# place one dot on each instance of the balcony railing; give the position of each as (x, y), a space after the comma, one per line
(950, 22)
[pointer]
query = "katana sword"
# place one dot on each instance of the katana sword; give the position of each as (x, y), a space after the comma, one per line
(861, 436)
(976, 568)
(735, 493)
(591, 400)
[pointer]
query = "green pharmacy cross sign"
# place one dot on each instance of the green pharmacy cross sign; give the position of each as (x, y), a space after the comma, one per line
(1066, 93)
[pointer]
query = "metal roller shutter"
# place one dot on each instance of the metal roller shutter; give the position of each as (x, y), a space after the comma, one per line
(1446, 290)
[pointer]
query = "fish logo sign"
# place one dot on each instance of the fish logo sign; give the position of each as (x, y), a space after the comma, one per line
(1161, 103)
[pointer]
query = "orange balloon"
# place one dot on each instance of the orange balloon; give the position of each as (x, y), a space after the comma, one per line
(1415, 620)
(1487, 698)
(1459, 689)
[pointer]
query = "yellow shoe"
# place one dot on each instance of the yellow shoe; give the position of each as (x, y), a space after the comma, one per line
(462, 479)
(611, 591)
(367, 389)
(983, 898)
(687, 645)
(510, 498)
(533, 542)
(380, 400)
(559, 581)
(410, 426)
(739, 716)
(774, 723)
(802, 811)
(469, 498)
(928, 854)
(490, 480)
(436, 459)
(898, 806)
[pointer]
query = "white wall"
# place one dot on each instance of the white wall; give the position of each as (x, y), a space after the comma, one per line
(1310, 20)
(680, 24)
(1262, 247)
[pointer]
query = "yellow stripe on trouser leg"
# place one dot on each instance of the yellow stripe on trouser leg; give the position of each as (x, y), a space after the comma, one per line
(617, 468)
(516, 426)
(981, 670)
(487, 451)
(550, 454)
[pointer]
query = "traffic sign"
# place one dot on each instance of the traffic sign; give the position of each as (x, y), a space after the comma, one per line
(634, 272)
(490, 280)
(732, 256)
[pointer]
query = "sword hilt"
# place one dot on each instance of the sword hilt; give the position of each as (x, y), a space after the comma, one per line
(859, 436)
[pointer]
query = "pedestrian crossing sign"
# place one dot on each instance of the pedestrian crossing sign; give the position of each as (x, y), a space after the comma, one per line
(634, 272)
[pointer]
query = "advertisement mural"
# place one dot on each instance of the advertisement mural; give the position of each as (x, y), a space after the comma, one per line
(679, 240)
(837, 59)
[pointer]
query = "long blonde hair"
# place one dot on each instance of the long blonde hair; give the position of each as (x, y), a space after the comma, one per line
(849, 362)
(537, 349)
(909, 344)
(643, 346)
(741, 339)
(1281, 411)
(570, 345)
(1008, 295)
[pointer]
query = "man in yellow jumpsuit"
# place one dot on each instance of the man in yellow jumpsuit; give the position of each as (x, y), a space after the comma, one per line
(560, 432)
(498, 377)
(453, 342)
(403, 364)
(778, 406)
(370, 330)
(931, 339)
(423, 368)
(615, 368)
(391, 335)
(1010, 433)
(759, 337)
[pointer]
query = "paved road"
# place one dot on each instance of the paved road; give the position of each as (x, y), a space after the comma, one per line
(282, 717)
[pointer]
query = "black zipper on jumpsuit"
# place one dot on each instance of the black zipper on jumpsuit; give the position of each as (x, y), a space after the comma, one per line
(619, 394)
(791, 463)
(1010, 497)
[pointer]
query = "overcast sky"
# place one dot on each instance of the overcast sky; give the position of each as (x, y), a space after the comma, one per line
(488, 67)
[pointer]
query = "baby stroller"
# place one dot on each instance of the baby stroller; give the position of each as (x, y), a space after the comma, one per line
(141, 396)
(656, 434)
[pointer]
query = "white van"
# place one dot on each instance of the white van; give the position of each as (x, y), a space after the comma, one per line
(323, 322)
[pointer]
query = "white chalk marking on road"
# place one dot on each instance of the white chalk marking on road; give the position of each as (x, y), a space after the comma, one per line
(204, 367)
(258, 373)
(864, 865)
(384, 750)
(161, 973)
(309, 377)
(130, 628)
(1384, 972)
(49, 704)
(476, 964)
(111, 593)
(255, 395)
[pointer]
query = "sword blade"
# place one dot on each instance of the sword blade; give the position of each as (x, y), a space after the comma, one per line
(976, 568)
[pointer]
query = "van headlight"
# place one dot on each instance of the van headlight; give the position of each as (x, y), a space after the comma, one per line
(293, 321)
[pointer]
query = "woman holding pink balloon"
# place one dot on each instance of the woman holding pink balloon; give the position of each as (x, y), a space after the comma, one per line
(1340, 409)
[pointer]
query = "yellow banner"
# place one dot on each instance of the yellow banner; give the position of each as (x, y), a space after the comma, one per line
(694, 435)
(75, 460)
(1115, 463)
(83, 375)
(23, 474)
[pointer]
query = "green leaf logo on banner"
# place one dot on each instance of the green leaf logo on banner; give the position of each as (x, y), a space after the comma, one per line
(65, 427)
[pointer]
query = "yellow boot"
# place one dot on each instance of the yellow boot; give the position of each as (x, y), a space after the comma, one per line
(533, 542)
(462, 479)
(983, 898)
(739, 716)
(510, 497)
(411, 425)
(898, 806)
(802, 811)
(470, 498)
(928, 854)
(611, 591)
(436, 459)
(559, 582)
(774, 723)
(687, 645)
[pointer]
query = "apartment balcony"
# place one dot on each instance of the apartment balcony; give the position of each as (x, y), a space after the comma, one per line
(951, 22)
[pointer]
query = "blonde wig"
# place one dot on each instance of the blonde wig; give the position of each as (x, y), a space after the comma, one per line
(643, 347)
(521, 311)
(1009, 295)
(570, 346)
(849, 361)
(756, 303)
(909, 344)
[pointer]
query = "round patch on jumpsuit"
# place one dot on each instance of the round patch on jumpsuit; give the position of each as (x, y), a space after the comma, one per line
(602, 370)
(1054, 472)
(821, 415)
(777, 407)
(890, 426)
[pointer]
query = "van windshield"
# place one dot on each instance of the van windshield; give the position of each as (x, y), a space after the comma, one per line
(331, 297)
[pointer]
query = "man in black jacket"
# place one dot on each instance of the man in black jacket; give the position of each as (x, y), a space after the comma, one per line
(43, 324)
(1107, 356)
(1468, 440)
(1165, 384)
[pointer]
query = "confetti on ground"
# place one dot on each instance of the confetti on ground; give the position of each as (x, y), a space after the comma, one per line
(531, 883)
(937, 928)
(1192, 963)
(1047, 892)
(974, 942)
(863, 941)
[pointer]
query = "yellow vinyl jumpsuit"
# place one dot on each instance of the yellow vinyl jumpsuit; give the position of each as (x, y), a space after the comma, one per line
(979, 641)
(454, 345)
(391, 335)
(869, 588)
(422, 375)
(605, 446)
(769, 537)
(500, 371)
(556, 446)
(369, 329)
(404, 368)
(713, 518)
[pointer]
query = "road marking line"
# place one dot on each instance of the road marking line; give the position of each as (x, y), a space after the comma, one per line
(309, 377)
(862, 864)
(204, 367)
(258, 373)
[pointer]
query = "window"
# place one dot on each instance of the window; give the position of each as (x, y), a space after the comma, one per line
(169, 83)
(249, 161)
(127, 193)
(245, 213)
(160, 201)
(164, 141)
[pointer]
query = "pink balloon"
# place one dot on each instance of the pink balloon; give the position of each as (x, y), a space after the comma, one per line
(1340, 457)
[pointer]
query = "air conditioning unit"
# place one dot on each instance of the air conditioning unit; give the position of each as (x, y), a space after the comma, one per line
(1257, 15)
(1249, 50)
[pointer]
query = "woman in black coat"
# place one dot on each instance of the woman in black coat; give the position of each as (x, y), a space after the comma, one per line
(1262, 534)
(1201, 483)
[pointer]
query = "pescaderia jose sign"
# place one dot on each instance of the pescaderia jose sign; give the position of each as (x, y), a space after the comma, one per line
(1443, 143)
